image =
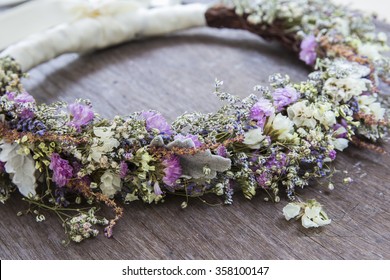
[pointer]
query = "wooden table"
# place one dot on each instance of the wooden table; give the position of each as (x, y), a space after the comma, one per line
(175, 74)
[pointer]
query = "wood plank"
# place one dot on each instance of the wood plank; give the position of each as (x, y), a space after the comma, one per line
(175, 74)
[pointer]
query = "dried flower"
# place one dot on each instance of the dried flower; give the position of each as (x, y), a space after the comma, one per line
(156, 121)
(261, 110)
(314, 216)
(123, 169)
(284, 96)
(172, 170)
(23, 97)
(80, 115)
(291, 211)
(62, 170)
(110, 183)
(310, 212)
(308, 50)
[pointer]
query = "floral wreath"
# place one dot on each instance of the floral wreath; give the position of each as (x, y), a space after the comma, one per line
(59, 155)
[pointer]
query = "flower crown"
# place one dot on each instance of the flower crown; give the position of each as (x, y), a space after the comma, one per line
(58, 155)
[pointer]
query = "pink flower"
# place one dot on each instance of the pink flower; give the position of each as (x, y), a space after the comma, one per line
(308, 50)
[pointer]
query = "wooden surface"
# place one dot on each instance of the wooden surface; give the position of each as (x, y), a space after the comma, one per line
(175, 74)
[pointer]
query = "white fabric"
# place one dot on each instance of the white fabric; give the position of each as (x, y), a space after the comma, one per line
(10, 2)
(39, 15)
(106, 29)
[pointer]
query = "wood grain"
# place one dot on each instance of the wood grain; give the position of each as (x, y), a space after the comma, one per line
(175, 74)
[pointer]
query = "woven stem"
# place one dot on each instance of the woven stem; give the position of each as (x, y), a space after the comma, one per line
(222, 17)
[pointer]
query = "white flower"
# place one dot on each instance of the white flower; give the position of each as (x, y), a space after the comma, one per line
(20, 166)
(253, 138)
(314, 216)
(291, 210)
(302, 114)
(110, 183)
(325, 115)
(103, 143)
(377, 110)
(344, 89)
(372, 51)
(368, 106)
(281, 126)
(340, 143)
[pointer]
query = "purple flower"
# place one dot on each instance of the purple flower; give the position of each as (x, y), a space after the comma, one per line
(172, 170)
(262, 179)
(194, 138)
(261, 110)
(277, 163)
(332, 154)
(27, 114)
(62, 170)
(222, 151)
(20, 98)
(155, 120)
(31, 125)
(2, 167)
(285, 96)
(308, 50)
(81, 115)
(123, 169)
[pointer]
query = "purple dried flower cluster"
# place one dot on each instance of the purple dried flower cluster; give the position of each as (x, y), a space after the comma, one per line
(222, 151)
(275, 165)
(172, 170)
(285, 96)
(332, 154)
(308, 52)
(155, 120)
(23, 97)
(123, 169)
(261, 110)
(80, 115)
(62, 170)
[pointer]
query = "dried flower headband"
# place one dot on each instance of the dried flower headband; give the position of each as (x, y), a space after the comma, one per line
(274, 141)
